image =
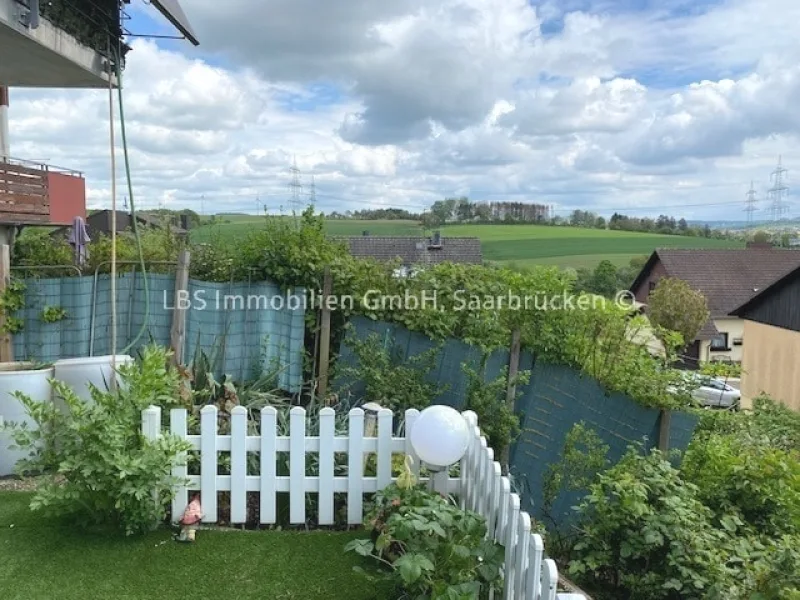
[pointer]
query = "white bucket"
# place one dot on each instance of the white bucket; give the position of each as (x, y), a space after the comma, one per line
(35, 383)
(78, 373)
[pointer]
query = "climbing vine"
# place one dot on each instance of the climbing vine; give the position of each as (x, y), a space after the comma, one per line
(11, 300)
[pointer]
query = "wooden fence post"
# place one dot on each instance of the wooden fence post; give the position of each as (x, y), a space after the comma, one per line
(511, 391)
(177, 335)
(6, 345)
(664, 423)
(325, 337)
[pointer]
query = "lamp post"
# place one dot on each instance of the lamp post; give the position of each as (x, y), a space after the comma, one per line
(439, 437)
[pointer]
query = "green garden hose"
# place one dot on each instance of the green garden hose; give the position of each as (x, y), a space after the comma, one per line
(133, 214)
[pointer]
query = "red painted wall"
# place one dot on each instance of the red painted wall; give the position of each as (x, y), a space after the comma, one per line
(67, 198)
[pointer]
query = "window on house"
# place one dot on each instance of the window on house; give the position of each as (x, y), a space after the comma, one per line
(719, 342)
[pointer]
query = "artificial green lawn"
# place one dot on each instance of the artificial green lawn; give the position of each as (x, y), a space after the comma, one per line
(45, 559)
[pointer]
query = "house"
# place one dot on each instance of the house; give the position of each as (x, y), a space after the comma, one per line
(57, 45)
(772, 329)
(727, 278)
(417, 251)
(99, 223)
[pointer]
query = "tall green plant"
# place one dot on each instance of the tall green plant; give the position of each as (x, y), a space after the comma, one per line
(488, 399)
(99, 468)
(391, 380)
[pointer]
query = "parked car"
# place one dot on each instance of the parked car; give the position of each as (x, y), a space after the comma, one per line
(710, 392)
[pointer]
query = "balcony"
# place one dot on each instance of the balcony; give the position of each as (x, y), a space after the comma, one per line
(66, 44)
(38, 194)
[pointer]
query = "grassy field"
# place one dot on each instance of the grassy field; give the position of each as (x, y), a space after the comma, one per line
(524, 245)
(42, 559)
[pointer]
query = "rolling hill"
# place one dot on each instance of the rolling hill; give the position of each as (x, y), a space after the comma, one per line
(522, 245)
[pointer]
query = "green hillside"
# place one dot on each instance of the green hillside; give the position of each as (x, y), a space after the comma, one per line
(524, 245)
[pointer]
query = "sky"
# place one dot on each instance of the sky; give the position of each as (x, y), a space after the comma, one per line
(637, 106)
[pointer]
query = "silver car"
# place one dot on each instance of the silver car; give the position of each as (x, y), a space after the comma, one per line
(710, 392)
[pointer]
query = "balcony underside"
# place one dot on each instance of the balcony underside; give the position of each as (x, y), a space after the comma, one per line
(45, 56)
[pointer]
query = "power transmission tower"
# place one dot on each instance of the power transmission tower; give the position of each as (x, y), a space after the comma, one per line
(750, 204)
(778, 192)
(312, 194)
(295, 189)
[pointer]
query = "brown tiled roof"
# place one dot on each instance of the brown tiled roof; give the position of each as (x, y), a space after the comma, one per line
(728, 278)
(417, 250)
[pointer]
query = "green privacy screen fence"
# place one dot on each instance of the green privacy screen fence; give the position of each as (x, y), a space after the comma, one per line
(555, 399)
(249, 328)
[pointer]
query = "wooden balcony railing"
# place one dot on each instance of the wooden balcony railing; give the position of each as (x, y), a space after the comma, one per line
(24, 194)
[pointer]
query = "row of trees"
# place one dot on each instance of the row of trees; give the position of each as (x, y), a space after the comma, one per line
(463, 210)
(664, 224)
(377, 214)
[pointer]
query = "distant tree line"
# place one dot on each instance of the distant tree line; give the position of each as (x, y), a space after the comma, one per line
(663, 224)
(377, 214)
(463, 210)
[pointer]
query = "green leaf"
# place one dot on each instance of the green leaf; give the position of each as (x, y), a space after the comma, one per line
(361, 547)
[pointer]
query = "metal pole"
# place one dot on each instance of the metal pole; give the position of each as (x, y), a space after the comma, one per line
(5, 151)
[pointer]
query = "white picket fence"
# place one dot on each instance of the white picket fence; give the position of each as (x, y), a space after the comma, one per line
(479, 487)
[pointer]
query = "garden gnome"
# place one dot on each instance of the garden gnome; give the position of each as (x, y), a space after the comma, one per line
(190, 520)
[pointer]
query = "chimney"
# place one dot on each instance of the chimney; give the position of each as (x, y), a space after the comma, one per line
(759, 246)
(436, 240)
(365, 233)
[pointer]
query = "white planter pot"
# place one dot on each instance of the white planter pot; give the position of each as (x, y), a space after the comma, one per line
(79, 373)
(18, 377)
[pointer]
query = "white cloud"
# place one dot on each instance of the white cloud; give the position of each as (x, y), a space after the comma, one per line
(405, 101)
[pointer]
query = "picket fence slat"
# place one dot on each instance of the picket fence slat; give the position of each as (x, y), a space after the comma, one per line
(535, 556)
(327, 426)
(549, 580)
(511, 545)
(355, 468)
(267, 501)
(208, 461)
(238, 465)
(480, 485)
(297, 466)
(521, 564)
(412, 414)
(177, 427)
(384, 460)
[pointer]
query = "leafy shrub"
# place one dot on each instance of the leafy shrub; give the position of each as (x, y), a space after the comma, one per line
(99, 467)
(744, 477)
(432, 548)
(771, 422)
(721, 369)
(389, 379)
(498, 421)
(646, 534)
(584, 456)
(36, 247)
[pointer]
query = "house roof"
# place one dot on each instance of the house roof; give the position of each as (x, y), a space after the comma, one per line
(766, 291)
(100, 222)
(417, 250)
(727, 278)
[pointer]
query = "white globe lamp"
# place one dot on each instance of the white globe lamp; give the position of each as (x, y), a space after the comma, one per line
(440, 436)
